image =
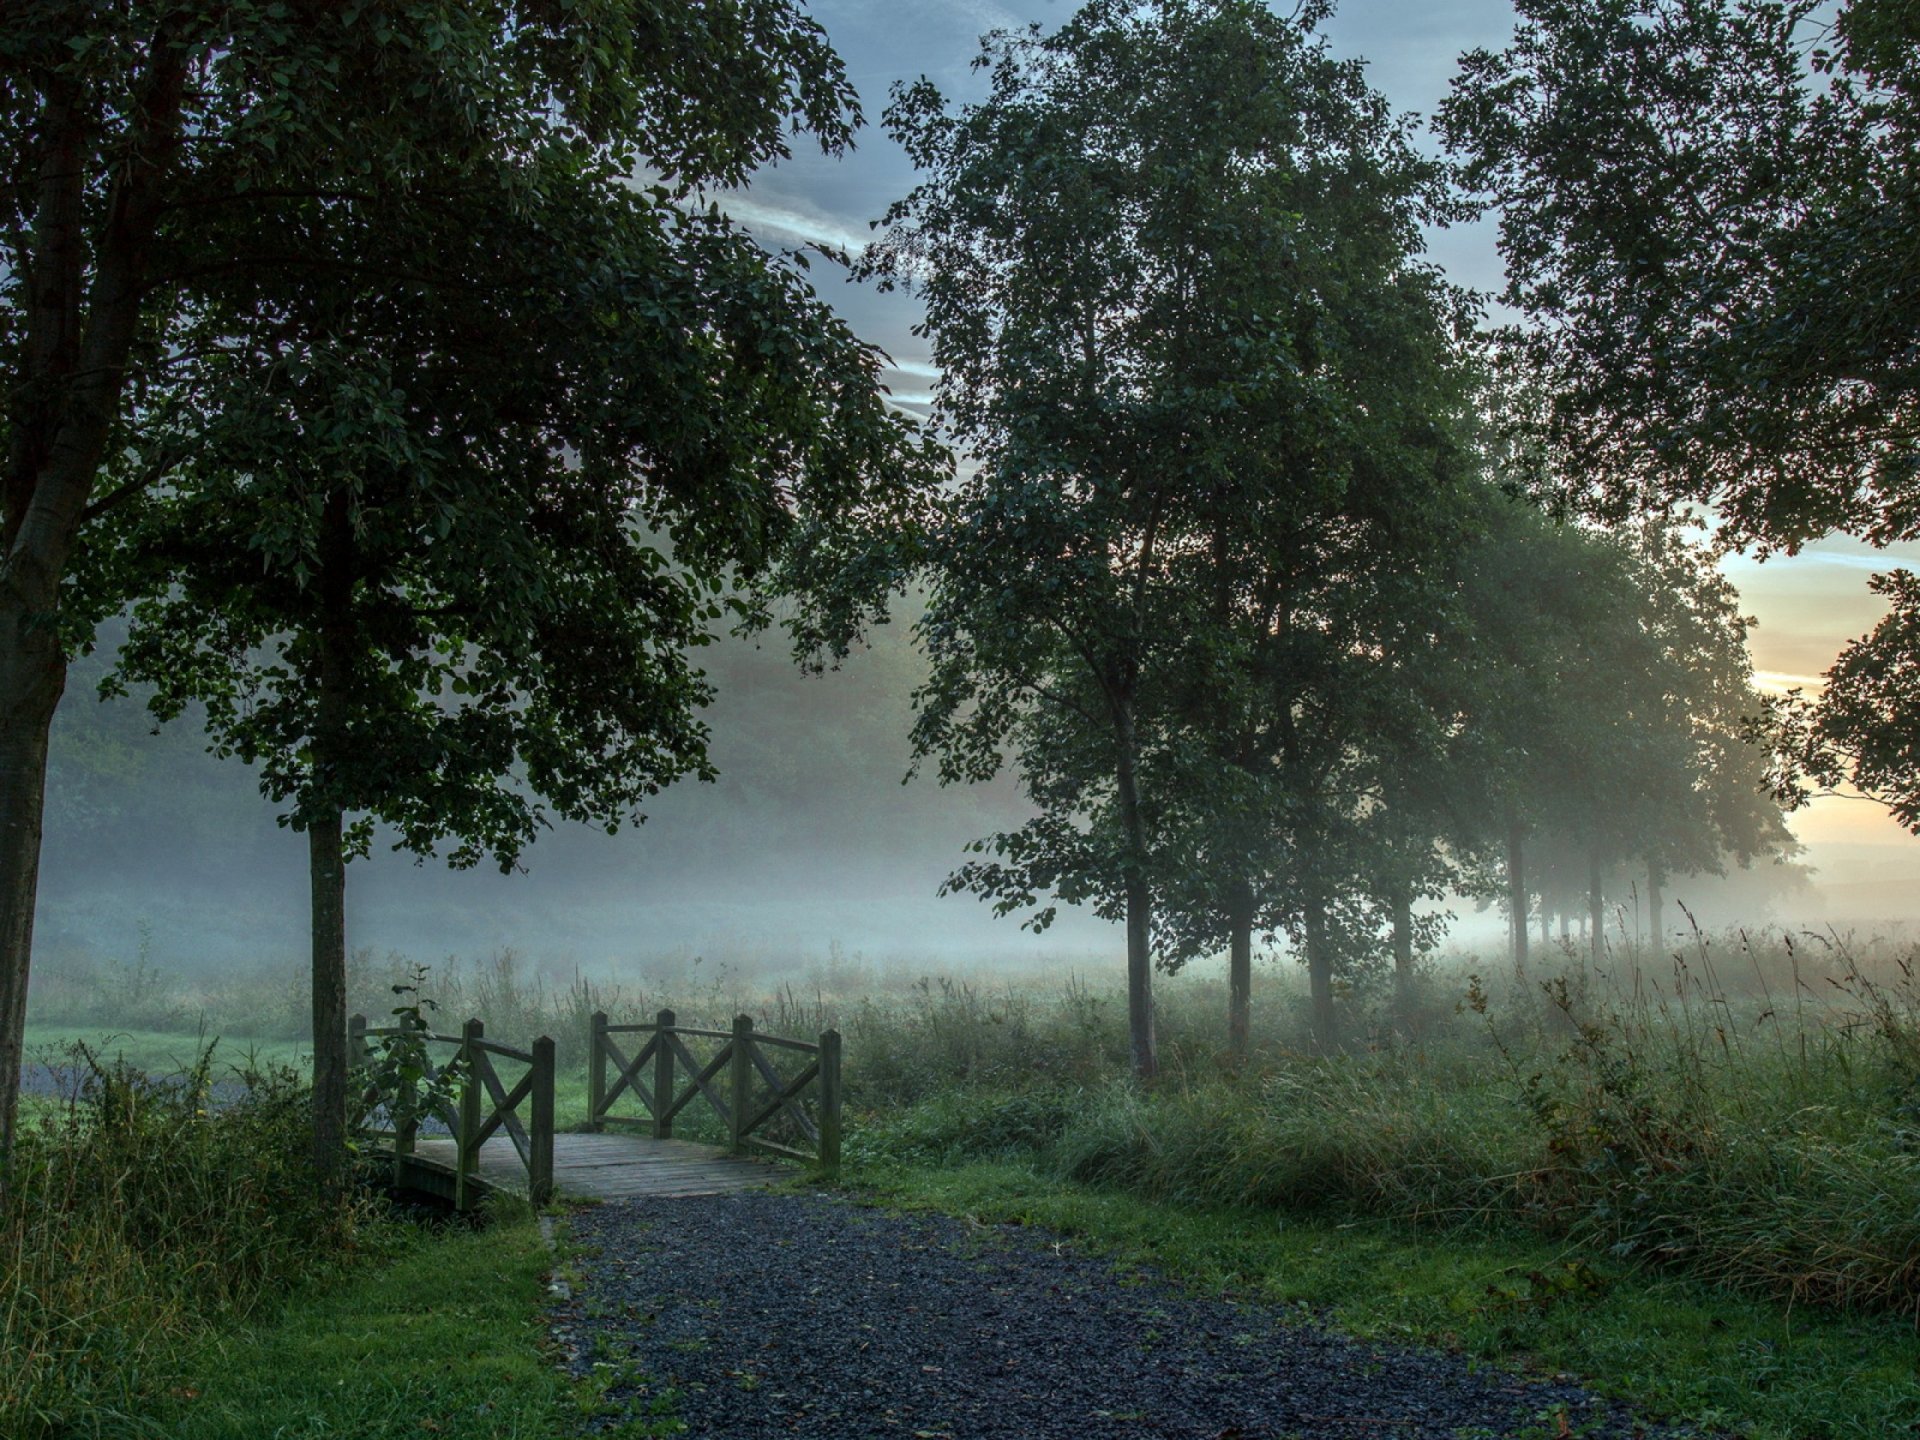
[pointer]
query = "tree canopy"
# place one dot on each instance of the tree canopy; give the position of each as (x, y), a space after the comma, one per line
(414, 321)
(1707, 212)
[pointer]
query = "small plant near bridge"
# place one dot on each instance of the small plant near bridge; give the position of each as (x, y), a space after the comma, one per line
(396, 1079)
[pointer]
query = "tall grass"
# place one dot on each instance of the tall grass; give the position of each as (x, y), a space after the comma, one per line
(1746, 1109)
(1763, 1135)
(140, 1214)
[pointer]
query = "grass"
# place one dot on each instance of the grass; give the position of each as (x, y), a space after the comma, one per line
(1678, 1347)
(168, 1267)
(160, 1052)
(447, 1340)
(140, 1217)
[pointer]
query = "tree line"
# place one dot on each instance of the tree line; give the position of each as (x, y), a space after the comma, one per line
(390, 367)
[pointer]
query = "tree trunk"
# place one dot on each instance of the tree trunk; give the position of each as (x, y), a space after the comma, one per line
(1517, 895)
(1546, 931)
(62, 404)
(1320, 974)
(1656, 880)
(1566, 929)
(1239, 967)
(326, 852)
(33, 673)
(1596, 914)
(1140, 1037)
(328, 871)
(1403, 949)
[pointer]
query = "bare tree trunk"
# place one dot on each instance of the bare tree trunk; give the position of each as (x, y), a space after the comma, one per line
(327, 868)
(326, 854)
(1596, 912)
(1403, 949)
(1239, 968)
(1656, 881)
(1566, 928)
(33, 673)
(1320, 974)
(1140, 1037)
(1517, 895)
(1546, 933)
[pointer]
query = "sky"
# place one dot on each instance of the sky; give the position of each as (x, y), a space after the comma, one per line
(1807, 606)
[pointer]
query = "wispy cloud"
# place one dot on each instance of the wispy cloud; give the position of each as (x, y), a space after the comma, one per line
(1858, 562)
(759, 217)
(1779, 682)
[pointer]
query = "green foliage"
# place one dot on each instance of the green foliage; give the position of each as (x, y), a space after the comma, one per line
(1739, 1136)
(1199, 464)
(444, 577)
(1706, 210)
(1703, 209)
(145, 1212)
(397, 1077)
(1859, 731)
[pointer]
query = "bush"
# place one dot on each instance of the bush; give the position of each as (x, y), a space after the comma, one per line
(140, 1213)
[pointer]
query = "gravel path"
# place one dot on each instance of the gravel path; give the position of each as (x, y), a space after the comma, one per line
(754, 1316)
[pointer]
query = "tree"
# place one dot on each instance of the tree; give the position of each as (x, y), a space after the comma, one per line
(200, 202)
(1706, 210)
(1617, 687)
(1171, 279)
(1860, 732)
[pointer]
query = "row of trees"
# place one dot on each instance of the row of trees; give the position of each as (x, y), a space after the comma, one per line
(1246, 581)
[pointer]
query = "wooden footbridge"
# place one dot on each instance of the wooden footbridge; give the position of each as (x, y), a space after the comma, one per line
(500, 1136)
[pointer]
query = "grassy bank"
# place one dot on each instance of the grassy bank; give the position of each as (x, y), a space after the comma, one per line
(1675, 1346)
(140, 1218)
(446, 1340)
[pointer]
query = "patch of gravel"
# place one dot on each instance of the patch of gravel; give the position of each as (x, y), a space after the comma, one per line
(758, 1315)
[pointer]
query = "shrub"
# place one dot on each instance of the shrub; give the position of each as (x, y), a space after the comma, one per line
(140, 1212)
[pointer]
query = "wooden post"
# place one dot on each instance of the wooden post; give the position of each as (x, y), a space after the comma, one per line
(540, 1131)
(466, 1154)
(741, 1065)
(662, 1075)
(356, 1041)
(830, 1101)
(596, 1070)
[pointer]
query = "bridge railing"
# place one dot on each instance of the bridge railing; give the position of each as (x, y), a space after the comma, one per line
(483, 1106)
(740, 1081)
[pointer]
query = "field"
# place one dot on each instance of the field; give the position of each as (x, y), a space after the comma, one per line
(1693, 1178)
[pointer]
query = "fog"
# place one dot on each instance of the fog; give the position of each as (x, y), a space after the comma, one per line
(808, 846)
(808, 841)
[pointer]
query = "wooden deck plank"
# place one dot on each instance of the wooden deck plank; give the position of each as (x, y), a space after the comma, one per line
(613, 1166)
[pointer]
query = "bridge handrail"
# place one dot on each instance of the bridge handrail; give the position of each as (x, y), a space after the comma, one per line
(475, 1120)
(742, 1059)
(812, 1047)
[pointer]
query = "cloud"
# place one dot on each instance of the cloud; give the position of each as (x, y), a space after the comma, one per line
(1877, 563)
(1779, 682)
(757, 216)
